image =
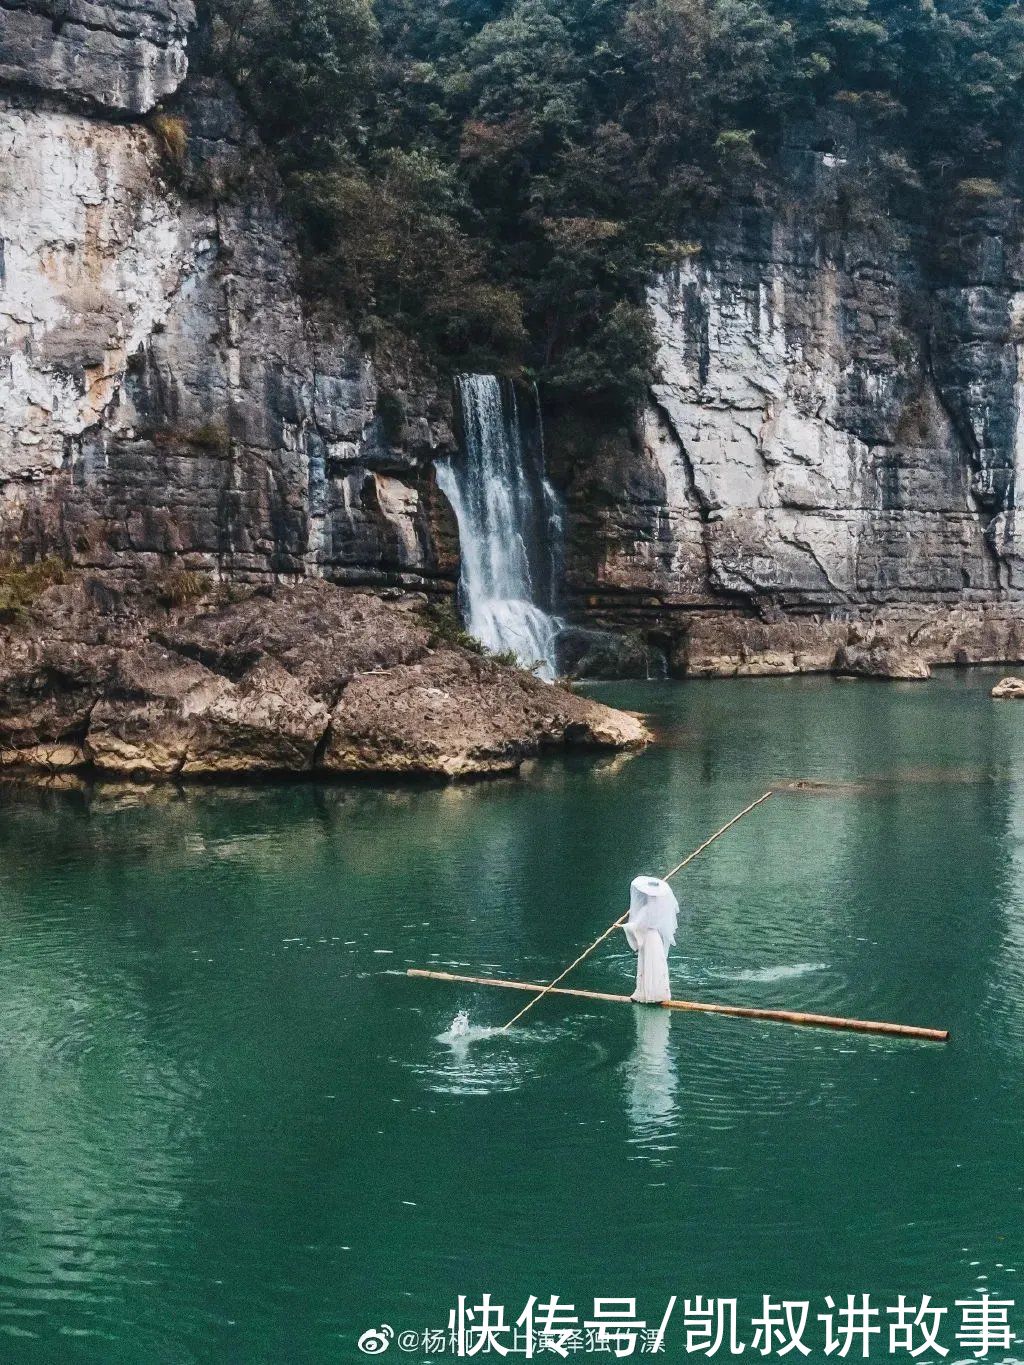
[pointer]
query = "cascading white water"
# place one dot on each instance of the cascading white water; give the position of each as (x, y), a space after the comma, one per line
(510, 526)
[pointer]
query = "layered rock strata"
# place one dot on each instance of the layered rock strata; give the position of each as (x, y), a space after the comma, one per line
(165, 391)
(832, 449)
(825, 476)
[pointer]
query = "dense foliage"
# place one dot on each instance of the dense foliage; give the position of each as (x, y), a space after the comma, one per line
(499, 177)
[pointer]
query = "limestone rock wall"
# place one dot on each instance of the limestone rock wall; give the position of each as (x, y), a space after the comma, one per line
(166, 400)
(837, 430)
(121, 55)
(92, 259)
(832, 449)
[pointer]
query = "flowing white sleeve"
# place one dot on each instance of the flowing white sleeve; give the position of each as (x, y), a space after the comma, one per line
(663, 915)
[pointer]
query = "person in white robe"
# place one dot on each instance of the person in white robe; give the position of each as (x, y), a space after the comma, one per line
(651, 932)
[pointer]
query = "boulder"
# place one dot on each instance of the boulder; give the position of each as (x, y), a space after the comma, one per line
(454, 715)
(1009, 689)
(881, 658)
(166, 716)
(321, 634)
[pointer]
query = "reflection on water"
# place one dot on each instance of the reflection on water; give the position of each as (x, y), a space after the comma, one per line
(233, 1129)
(651, 1084)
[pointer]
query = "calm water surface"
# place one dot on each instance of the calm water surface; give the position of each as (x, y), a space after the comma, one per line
(229, 1132)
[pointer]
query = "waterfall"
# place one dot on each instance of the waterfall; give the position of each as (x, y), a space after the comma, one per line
(510, 524)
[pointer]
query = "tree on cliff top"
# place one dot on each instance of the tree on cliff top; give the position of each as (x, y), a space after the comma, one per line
(500, 177)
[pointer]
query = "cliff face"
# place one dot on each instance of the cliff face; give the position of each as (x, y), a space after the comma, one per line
(122, 56)
(825, 475)
(165, 396)
(835, 436)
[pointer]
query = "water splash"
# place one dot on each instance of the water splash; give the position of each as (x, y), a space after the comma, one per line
(459, 1027)
(510, 525)
(460, 1032)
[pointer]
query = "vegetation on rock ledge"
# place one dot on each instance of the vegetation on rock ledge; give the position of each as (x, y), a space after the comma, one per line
(500, 177)
(22, 584)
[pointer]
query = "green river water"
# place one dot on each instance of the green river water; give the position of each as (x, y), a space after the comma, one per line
(229, 1131)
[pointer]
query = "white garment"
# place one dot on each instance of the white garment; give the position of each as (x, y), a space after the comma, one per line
(650, 932)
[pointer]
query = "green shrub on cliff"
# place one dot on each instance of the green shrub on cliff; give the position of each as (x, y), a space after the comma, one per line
(499, 178)
(447, 629)
(386, 243)
(307, 69)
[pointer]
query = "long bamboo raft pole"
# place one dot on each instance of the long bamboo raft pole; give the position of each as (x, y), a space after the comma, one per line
(928, 1035)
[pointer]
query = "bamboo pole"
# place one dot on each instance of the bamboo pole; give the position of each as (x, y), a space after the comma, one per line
(717, 835)
(930, 1035)
(543, 990)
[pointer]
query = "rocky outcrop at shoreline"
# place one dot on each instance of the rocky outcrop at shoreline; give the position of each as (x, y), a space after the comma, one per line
(312, 679)
(899, 643)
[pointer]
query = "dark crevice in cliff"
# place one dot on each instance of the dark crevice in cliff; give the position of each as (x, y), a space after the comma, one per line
(25, 94)
(804, 545)
(705, 511)
(973, 462)
(700, 500)
(320, 749)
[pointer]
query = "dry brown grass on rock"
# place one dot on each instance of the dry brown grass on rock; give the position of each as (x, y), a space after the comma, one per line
(178, 587)
(172, 136)
(21, 584)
